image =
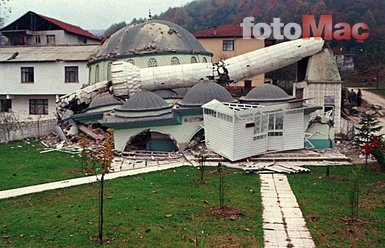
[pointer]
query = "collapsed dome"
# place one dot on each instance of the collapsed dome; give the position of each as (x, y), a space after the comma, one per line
(103, 100)
(149, 37)
(267, 93)
(204, 92)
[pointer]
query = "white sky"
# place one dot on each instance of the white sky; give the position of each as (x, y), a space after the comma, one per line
(91, 14)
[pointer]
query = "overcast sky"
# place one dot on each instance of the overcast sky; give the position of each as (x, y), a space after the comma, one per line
(91, 14)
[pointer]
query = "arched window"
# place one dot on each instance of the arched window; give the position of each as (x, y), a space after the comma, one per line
(175, 61)
(204, 60)
(109, 71)
(131, 61)
(152, 62)
(193, 60)
(97, 74)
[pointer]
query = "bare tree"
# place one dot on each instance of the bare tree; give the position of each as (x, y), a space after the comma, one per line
(9, 121)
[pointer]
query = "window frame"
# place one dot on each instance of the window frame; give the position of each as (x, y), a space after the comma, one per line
(50, 37)
(27, 77)
(228, 45)
(35, 106)
(68, 72)
(5, 105)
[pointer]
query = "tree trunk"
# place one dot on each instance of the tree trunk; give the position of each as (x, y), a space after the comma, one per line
(101, 194)
(366, 163)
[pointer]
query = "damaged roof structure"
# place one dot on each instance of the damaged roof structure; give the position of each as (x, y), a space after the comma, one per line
(135, 88)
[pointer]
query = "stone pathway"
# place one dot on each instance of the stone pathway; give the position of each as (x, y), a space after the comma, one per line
(283, 223)
(84, 180)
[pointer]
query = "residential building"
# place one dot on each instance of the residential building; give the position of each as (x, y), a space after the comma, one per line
(42, 59)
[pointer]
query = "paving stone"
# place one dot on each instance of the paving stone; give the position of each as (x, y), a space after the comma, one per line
(283, 222)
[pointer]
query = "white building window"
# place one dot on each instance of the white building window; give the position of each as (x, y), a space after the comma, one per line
(260, 124)
(5, 105)
(152, 62)
(204, 60)
(27, 75)
(71, 74)
(109, 70)
(131, 61)
(228, 45)
(37, 39)
(97, 74)
(175, 61)
(193, 60)
(51, 39)
(38, 106)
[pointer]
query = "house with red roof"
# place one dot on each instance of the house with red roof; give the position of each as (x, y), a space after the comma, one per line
(36, 29)
(41, 59)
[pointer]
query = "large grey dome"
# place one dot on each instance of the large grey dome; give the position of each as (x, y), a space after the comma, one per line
(266, 93)
(204, 92)
(149, 37)
(103, 100)
(144, 101)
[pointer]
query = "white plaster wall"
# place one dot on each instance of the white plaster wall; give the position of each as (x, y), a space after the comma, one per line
(181, 133)
(48, 78)
(20, 106)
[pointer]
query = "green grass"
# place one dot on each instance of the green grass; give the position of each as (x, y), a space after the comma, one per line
(325, 203)
(135, 209)
(380, 92)
(23, 165)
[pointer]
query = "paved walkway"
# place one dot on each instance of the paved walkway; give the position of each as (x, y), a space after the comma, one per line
(84, 180)
(283, 223)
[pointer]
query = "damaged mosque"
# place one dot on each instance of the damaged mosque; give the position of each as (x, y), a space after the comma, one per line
(156, 86)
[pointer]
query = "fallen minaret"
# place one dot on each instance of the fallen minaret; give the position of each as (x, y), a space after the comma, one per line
(128, 79)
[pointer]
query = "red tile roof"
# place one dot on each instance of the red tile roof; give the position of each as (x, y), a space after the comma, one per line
(228, 30)
(69, 27)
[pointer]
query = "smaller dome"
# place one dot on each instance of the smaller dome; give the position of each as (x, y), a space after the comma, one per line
(103, 100)
(266, 93)
(204, 92)
(144, 101)
(166, 94)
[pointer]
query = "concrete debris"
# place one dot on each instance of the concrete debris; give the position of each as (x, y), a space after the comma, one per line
(269, 168)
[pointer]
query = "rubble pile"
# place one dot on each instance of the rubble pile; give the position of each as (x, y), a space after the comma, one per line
(67, 137)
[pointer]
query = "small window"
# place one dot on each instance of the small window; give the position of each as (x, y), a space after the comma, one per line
(71, 74)
(228, 45)
(27, 75)
(38, 106)
(109, 71)
(82, 40)
(51, 39)
(97, 73)
(37, 39)
(175, 61)
(204, 60)
(131, 61)
(5, 105)
(152, 62)
(278, 121)
(193, 60)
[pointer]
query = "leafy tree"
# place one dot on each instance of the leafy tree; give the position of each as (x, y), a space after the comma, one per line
(113, 28)
(5, 10)
(369, 126)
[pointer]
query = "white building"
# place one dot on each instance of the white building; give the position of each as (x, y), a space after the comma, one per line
(32, 77)
(239, 131)
(42, 58)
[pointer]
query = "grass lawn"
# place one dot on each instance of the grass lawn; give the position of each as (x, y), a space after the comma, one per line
(23, 165)
(135, 209)
(325, 203)
(380, 92)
